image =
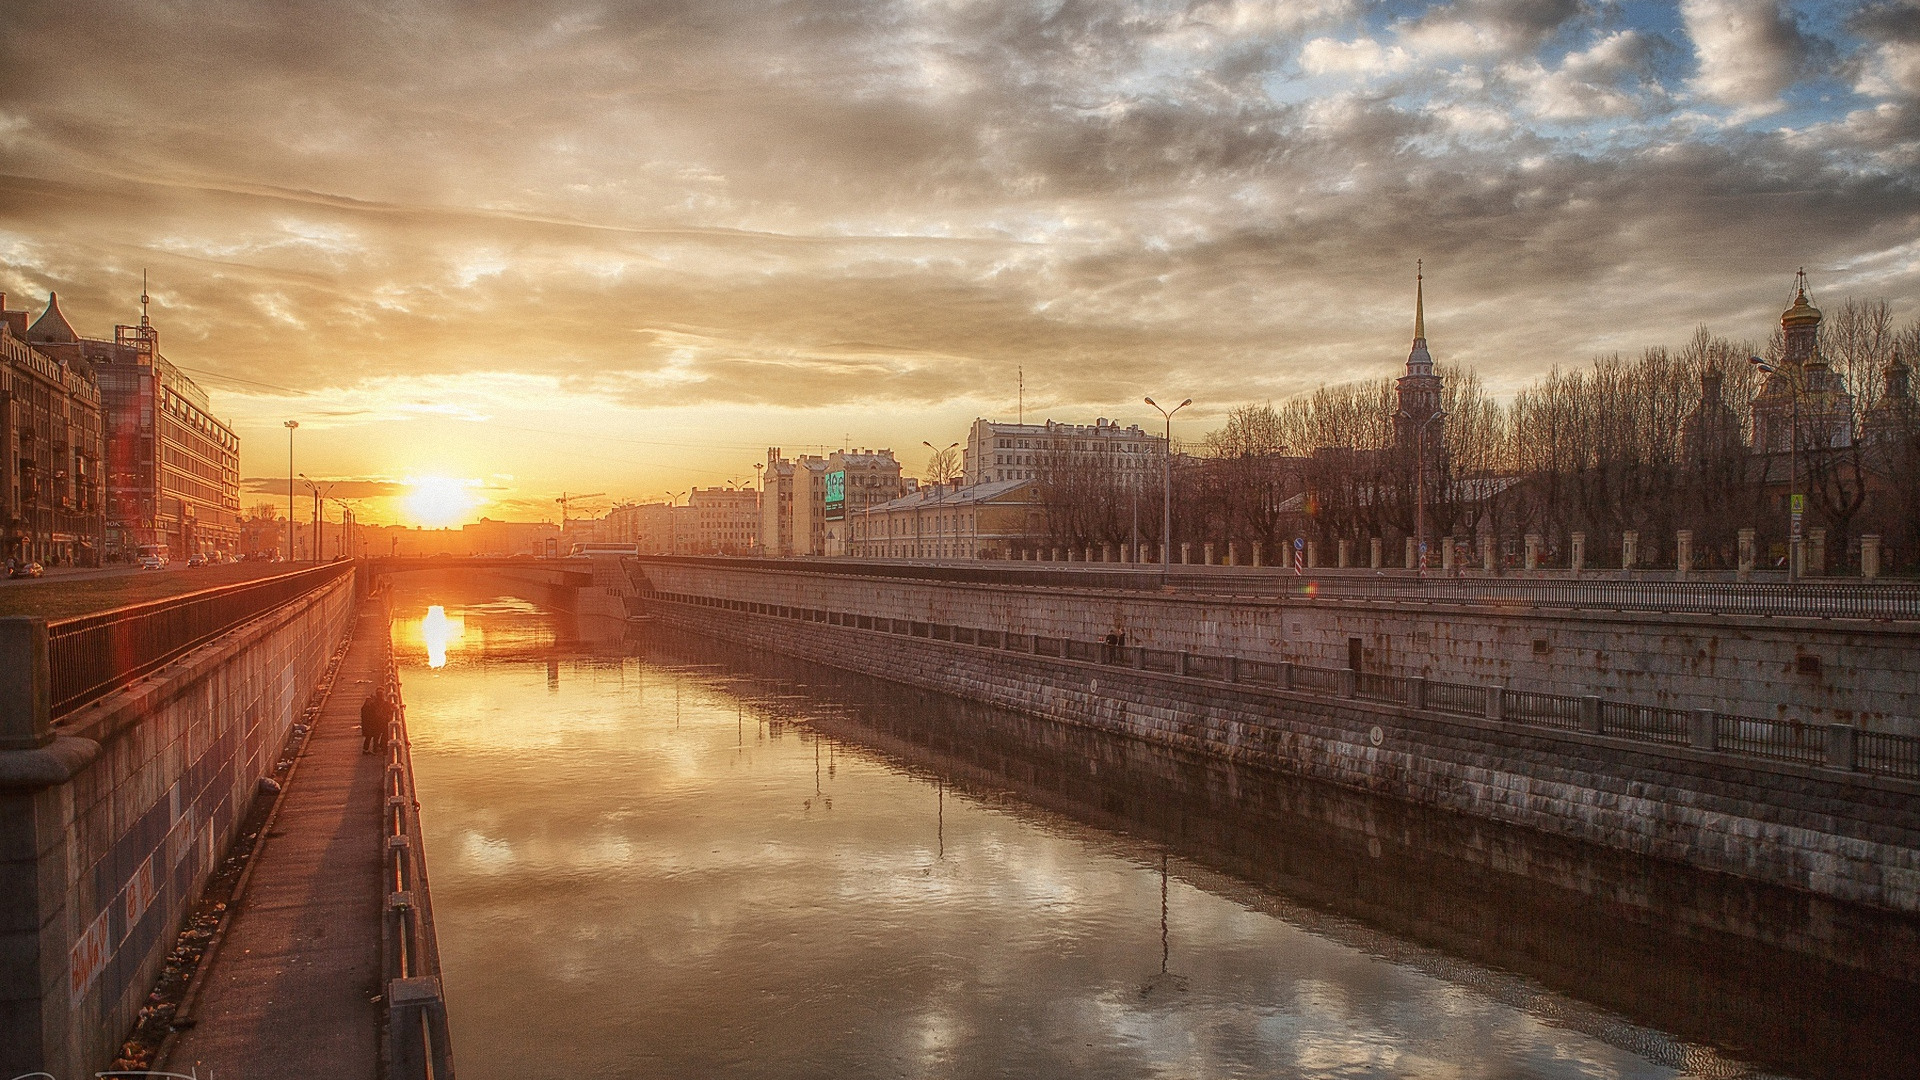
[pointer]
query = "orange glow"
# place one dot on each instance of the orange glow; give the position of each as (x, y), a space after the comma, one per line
(439, 501)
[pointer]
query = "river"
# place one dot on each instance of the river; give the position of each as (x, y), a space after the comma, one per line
(670, 859)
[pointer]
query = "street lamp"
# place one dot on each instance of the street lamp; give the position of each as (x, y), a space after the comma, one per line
(290, 425)
(319, 516)
(1166, 486)
(1795, 504)
(939, 527)
(673, 533)
(1420, 483)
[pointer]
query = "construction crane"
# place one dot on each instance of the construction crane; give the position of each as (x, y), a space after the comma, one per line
(567, 499)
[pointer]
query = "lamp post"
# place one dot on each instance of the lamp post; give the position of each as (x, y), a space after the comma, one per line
(1794, 501)
(319, 516)
(290, 425)
(1420, 484)
(939, 526)
(1166, 487)
(673, 532)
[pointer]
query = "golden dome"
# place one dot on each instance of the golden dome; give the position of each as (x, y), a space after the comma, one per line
(1800, 312)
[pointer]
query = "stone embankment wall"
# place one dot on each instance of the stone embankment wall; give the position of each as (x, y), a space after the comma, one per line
(1845, 836)
(108, 833)
(1797, 669)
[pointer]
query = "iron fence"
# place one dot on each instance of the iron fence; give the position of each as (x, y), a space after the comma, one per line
(1779, 740)
(92, 655)
(1647, 722)
(1455, 698)
(1888, 755)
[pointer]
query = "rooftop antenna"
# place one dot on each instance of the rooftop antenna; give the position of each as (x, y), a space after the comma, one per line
(143, 299)
(1021, 374)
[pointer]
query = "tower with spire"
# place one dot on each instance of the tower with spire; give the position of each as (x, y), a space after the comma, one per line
(1825, 406)
(1419, 389)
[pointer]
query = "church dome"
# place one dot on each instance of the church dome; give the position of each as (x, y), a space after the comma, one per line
(1801, 313)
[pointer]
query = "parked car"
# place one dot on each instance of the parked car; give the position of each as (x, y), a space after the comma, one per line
(152, 562)
(196, 560)
(24, 569)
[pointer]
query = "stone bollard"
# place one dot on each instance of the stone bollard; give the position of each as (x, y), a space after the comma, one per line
(1486, 554)
(1590, 715)
(1375, 545)
(26, 684)
(1410, 556)
(1345, 553)
(1206, 553)
(1842, 744)
(1313, 554)
(1446, 555)
(1816, 553)
(1870, 556)
(1186, 552)
(1257, 545)
(1182, 662)
(1349, 683)
(1233, 669)
(1683, 553)
(1106, 552)
(1166, 552)
(1496, 703)
(1745, 547)
(1417, 692)
(1703, 730)
(1577, 561)
(1629, 550)
(1533, 551)
(1284, 675)
(1233, 553)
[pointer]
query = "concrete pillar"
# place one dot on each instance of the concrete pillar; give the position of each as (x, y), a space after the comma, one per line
(1590, 714)
(1257, 545)
(1206, 553)
(1816, 553)
(1349, 683)
(1683, 553)
(1233, 553)
(1346, 553)
(1496, 703)
(1411, 557)
(1533, 551)
(1703, 731)
(1106, 552)
(1375, 547)
(1313, 554)
(1842, 742)
(1797, 556)
(1745, 547)
(1577, 559)
(1870, 556)
(26, 684)
(1285, 674)
(1186, 552)
(1416, 693)
(1165, 553)
(1446, 554)
(1629, 549)
(1486, 554)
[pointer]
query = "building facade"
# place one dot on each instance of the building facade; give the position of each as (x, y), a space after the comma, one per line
(722, 520)
(52, 483)
(807, 501)
(951, 521)
(999, 452)
(172, 468)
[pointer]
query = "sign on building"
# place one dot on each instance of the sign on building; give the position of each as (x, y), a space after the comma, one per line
(836, 495)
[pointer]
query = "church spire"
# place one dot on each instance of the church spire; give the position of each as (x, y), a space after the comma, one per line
(1419, 300)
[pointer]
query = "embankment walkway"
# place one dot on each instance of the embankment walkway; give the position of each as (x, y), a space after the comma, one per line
(293, 990)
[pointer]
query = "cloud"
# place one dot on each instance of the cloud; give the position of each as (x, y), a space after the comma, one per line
(1749, 52)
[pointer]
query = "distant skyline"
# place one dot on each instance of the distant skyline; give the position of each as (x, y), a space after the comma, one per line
(532, 247)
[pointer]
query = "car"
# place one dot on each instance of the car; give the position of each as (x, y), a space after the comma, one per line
(25, 569)
(152, 562)
(197, 560)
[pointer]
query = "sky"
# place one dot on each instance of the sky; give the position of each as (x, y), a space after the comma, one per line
(519, 249)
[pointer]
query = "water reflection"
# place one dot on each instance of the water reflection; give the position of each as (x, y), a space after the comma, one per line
(437, 632)
(884, 883)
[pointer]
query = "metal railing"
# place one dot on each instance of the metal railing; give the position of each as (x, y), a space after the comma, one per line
(418, 1047)
(1836, 746)
(1598, 590)
(93, 655)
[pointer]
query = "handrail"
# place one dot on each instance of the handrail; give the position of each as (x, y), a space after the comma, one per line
(90, 656)
(1598, 591)
(1843, 747)
(417, 1043)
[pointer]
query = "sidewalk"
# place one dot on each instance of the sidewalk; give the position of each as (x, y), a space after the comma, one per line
(291, 991)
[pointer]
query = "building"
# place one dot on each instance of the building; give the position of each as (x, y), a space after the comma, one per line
(649, 527)
(723, 520)
(172, 468)
(807, 501)
(490, 537)
(1416, 427)
(52, 494)
(955, 520)
(1803, 391)
(998, 452)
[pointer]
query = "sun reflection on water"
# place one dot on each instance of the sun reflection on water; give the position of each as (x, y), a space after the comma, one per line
(438, 631)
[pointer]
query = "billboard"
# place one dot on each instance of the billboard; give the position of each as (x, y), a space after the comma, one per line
(836, 495)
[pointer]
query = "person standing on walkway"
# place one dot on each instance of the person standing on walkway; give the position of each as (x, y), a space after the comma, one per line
(389, 708)
(373, 712)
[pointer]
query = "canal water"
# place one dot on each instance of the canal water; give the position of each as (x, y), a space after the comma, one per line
(670, 858)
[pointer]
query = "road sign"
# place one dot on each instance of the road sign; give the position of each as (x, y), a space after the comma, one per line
(1799, 504)
(1299, 544)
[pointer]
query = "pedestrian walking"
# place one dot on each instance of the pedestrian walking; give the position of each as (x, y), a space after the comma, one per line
(388, 710)
(372, 723)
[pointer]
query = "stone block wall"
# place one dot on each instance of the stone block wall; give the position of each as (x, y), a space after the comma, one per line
(1797, 669)
(108, 834)
(1851, 838)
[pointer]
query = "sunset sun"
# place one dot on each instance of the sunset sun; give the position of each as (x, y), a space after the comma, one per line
(438, 501)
